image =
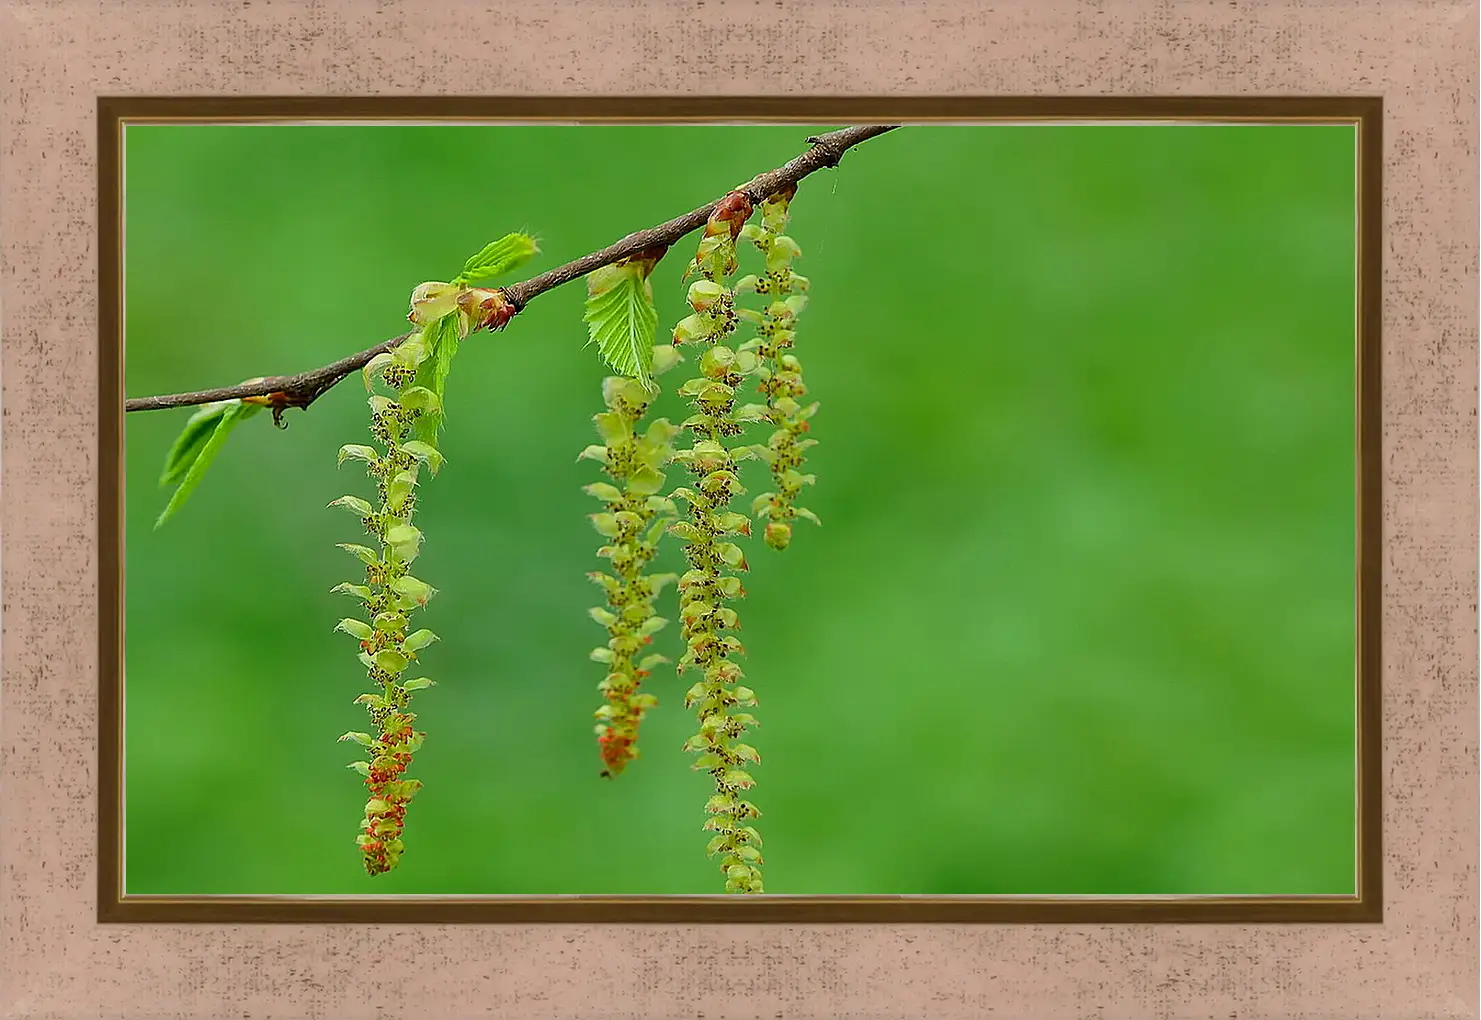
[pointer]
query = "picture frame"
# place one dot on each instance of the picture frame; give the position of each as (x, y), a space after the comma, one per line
(62, 958)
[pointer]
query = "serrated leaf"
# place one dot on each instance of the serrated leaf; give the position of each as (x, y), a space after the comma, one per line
(194, 451)
(621, 318)
(443, 340)
(496, 258)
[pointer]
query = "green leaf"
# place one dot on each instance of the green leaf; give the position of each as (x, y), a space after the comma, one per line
(361, 767)
(621, 318)
(505, 255)
(444, 341)
(194, 451)
(360, 591)
(419, 684)
(363, 739)
(191, 440)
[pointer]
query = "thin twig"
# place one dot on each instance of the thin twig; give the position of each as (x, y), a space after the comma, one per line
(301, 390)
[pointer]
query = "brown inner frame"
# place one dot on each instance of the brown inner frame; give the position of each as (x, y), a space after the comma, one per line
(1366, 906)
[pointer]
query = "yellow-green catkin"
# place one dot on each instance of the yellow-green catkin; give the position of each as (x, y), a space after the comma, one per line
(390, 597)
(780, 373)
(633, 522)
(709, 534)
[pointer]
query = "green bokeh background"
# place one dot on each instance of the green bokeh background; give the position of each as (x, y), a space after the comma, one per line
(1081, 616)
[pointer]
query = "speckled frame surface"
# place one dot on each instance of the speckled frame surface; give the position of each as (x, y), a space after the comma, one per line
(57, 961)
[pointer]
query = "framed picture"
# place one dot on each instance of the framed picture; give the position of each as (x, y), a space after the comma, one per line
(804, 511)
(1091, 632)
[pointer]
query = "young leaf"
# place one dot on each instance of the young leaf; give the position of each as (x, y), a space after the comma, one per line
(621, 318)
(443, 341)
(505, 255)
(199, 455)
(191, 440)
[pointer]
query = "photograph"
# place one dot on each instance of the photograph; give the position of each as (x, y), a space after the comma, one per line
(740, 509)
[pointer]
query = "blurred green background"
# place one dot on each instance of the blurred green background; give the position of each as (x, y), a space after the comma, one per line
(1080, 618)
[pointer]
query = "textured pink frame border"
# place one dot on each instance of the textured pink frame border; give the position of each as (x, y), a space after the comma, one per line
(55, 961)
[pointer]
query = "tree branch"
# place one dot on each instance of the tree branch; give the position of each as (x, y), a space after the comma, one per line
(301, 390)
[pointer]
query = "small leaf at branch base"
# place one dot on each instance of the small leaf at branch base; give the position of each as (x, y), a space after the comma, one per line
(194, 451)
